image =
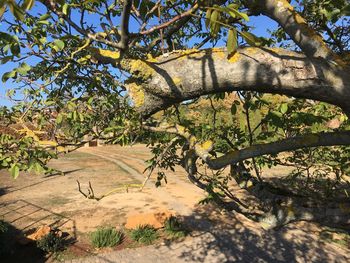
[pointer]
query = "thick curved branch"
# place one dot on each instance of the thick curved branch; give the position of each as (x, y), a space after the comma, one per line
(290, 144)
(202, 150)
(309, 41)
(189, 74)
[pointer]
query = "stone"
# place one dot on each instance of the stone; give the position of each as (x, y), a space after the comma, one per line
(40, 233)
(155, 219)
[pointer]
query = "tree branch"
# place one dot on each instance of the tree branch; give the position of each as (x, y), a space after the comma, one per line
(189, 74)
(289, 144)
(124, 35)
(202, 150)
(309, 41)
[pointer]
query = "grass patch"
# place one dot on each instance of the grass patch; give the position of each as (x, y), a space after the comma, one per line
(144, 234)
(173, 228)
(106, 237)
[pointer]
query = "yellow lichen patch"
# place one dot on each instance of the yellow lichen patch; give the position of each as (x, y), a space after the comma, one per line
(251, 50)
(109, 53)
(151, 59)
(193, 141)
(219, 53)
(142, 68)
(207, 145)
(177, 81)
(249, 184)
(136, 93)
(191, 53)
(180, 129)
(234, 58)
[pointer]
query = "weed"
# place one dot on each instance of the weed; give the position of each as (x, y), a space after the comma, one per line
(145, 234)
(174, 228)
(50, 243)
(106, 237)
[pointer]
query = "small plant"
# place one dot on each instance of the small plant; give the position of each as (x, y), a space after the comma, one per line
(106, 237)
(4, 228)
(174, 228)
(50, 243)
(145, 234)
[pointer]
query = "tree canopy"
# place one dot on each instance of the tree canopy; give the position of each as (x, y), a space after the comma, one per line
(154, 71)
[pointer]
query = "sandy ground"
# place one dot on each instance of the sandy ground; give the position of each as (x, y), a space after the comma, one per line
(32, 200)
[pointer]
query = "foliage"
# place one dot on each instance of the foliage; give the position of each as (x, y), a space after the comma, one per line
(4, 246)
(106, 237)
(51, 243)
(82, 70)
(144, 234)
(174, 228)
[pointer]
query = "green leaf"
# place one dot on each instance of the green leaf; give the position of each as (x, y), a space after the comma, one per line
(23, 68)
(28, 4)
(65, 9)
(15, 49)
(284, 108)
(16, 10)
(8, 75)
(251, 39)
(214, 25)
(235, 13)
(44, 17)
(232, 41)
(58, 44)
(59, 119)
(14, 170)
(2, 10)
(207, 18)
(346, 10)
(233, 109)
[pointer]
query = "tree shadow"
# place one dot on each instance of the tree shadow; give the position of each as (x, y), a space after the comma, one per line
(229, 238)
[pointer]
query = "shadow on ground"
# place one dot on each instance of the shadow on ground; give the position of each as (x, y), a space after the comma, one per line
(231, 238)
(22, 218)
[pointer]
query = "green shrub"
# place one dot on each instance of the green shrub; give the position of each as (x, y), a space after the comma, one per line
(174, 228)
(144, 234)
(50, 243)
(3, 227)
(4, 246)
(106, 237)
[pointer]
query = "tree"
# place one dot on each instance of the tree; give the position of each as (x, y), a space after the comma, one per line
(123, 70)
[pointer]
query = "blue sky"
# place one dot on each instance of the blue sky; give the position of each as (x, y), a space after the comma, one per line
(261, 24)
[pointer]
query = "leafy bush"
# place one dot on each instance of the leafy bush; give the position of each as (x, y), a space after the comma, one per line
(106, 237)
(3, 227)
(50, 243)
(145, 234)
(174, 228)
(4, 248)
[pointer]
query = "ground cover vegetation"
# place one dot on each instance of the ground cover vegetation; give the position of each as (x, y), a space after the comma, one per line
(127, 71)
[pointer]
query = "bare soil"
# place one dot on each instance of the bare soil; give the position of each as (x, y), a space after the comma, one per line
(33, 200)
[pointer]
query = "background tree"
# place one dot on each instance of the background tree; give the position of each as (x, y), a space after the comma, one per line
(125, 70)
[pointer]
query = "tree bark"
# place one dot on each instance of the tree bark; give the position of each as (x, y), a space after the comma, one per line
(182, 76)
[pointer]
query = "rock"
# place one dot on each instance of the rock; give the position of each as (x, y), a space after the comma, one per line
(155, 219)
(40, 233)
(22, 240)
